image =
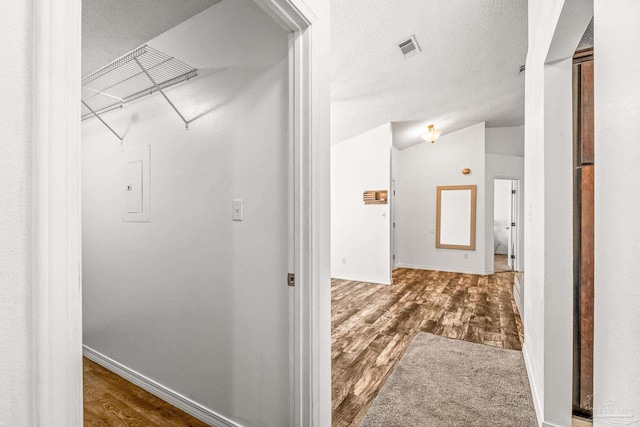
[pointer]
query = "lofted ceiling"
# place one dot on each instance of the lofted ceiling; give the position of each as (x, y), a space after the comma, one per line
(111, 28)
(466, 73)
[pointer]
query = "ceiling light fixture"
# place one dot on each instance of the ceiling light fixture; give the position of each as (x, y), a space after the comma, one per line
(432, 134)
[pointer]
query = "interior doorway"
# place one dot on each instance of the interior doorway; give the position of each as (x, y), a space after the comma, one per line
(56, 130)
(394, 262)
(505, 224)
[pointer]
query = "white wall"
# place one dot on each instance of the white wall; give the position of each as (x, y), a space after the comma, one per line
(360, 234)
(421, 169)
(512, 167)
(555, 27)
(617, 235)
(501, 216)
(193, 300)
(558, 243)
(17, 374)
(508, 141)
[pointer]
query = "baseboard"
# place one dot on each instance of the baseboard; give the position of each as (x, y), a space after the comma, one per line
(449, 270)
(534, 390)
(517, 296)
(374, 280)
(176, 399)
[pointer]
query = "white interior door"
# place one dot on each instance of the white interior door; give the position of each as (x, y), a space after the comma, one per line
(393, 224)
(512, 235)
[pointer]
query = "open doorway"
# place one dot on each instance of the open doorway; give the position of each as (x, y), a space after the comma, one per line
(216, 199)
(505, 227)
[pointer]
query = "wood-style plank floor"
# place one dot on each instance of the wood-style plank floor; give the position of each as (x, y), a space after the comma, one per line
(372, 326)
(110, 400)
(500, 264)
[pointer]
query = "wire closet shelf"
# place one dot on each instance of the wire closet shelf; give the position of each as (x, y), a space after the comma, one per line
(140, 72)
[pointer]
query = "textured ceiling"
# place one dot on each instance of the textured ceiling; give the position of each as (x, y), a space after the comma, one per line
(467, 71)
(111, 28)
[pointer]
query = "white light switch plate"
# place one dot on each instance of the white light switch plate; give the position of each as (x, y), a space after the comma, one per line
(238, 208)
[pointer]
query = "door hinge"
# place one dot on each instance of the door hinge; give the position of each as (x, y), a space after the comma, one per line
(513, 224)
(394, 225)
(513, 191)
(513, 257)
(291, 279)
(394, 257)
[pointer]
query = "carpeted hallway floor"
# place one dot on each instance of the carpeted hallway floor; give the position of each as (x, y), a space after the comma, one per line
(446, 382)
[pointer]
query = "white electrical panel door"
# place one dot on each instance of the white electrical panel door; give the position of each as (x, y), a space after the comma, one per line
(134, 187)
(136, 184)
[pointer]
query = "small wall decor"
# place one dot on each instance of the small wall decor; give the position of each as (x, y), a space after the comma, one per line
(466, 171)
(375, 197)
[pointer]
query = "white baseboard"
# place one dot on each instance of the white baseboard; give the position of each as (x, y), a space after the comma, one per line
(176, 399)
(517, 296)
(449, 270)
(375, 280)
(534, 390)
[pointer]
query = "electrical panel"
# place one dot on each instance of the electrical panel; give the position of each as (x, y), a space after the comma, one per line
(136, 184)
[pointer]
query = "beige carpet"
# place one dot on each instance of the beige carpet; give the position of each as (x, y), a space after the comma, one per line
(443, 382)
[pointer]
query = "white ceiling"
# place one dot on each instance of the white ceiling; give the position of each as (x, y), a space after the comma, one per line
(467, 71)
(111, 28)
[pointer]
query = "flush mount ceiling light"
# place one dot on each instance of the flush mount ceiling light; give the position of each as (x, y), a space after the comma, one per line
(432, 134)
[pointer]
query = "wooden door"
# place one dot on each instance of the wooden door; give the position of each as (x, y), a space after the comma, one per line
(584, 164)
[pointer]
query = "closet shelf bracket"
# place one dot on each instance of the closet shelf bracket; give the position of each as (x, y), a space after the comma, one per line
(103, 122)
(159, 89)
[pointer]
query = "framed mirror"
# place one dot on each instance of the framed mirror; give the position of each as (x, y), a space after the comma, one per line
(456, 217)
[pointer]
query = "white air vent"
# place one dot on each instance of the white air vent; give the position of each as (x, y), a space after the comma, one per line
(409, 47)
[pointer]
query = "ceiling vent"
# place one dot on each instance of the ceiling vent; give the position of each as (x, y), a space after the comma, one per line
(409, 47)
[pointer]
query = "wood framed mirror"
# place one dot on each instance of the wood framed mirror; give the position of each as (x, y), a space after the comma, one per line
(456, 217)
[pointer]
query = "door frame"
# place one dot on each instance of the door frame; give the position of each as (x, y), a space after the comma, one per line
(394, 261)
(57, 274)
(520, 219)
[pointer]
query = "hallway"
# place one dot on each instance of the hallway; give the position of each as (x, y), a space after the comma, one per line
(372, 326)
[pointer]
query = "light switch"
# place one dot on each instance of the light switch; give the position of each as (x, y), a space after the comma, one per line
(134, 187)
(238, 208)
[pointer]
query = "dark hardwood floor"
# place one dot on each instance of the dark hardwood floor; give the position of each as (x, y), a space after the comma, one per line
(372, 326)
(110, 400)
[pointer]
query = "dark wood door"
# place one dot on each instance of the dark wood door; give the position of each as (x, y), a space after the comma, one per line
(584, 164)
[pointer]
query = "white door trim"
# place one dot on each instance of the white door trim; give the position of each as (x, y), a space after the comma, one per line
(310, 376)
(57, 225)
